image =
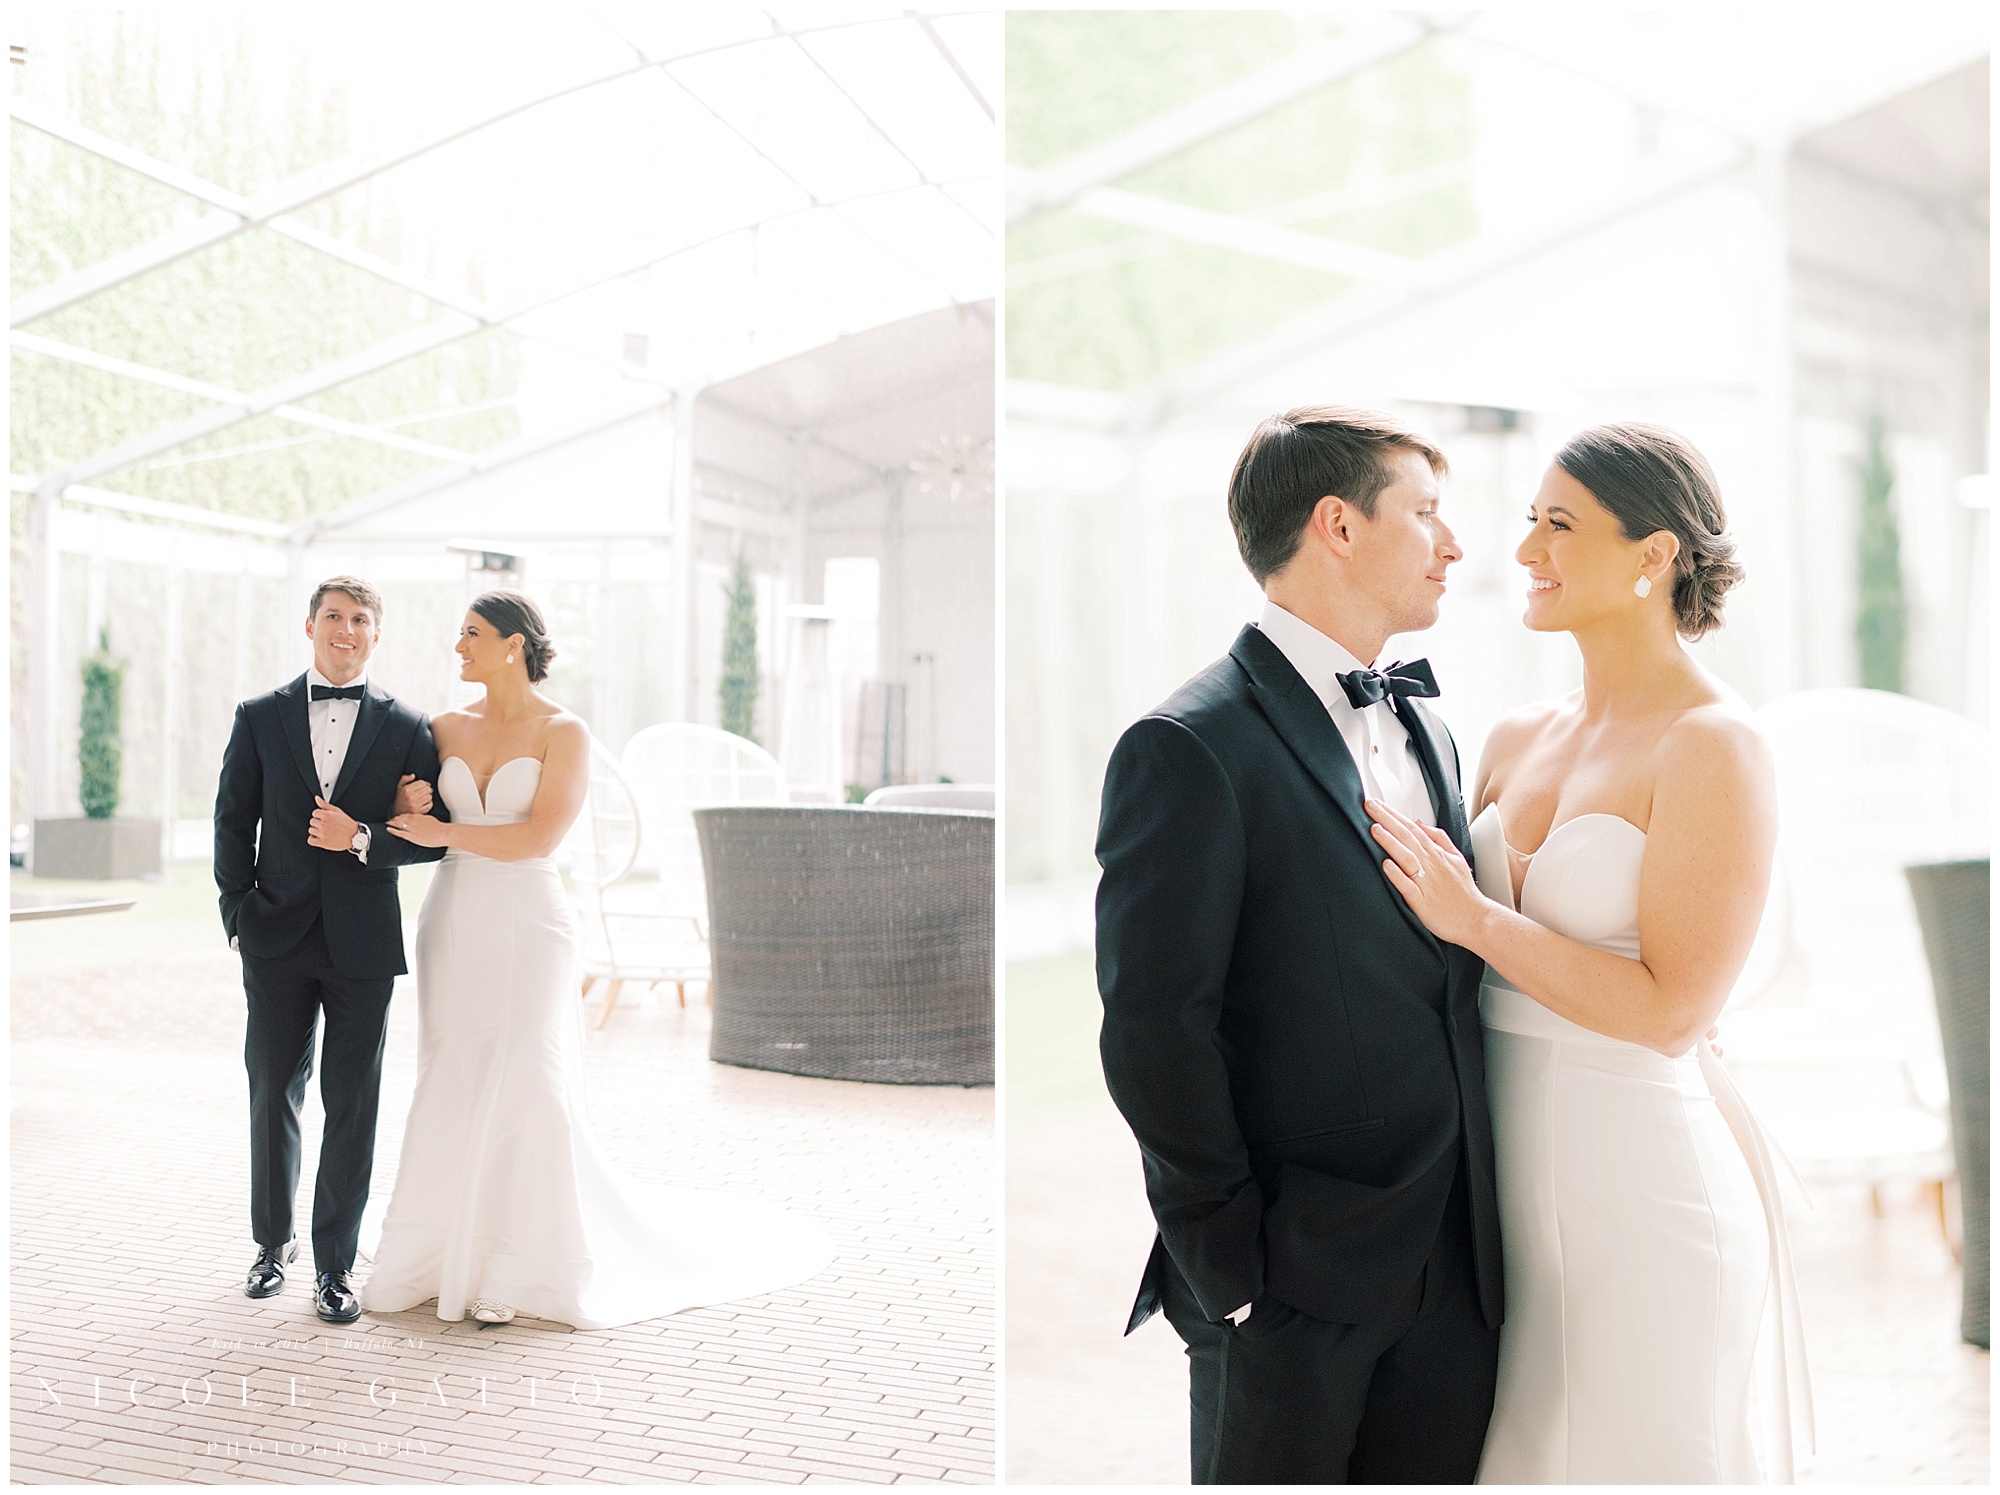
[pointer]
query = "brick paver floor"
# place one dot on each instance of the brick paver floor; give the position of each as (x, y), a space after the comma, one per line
(136, 1357)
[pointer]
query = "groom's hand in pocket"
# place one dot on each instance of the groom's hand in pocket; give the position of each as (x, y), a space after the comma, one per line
(413, 796)
(1267, 1316)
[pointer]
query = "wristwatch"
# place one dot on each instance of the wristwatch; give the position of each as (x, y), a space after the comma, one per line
(359, 845)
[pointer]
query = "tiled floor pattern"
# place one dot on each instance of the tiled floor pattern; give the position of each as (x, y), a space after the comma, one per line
(136, 1357)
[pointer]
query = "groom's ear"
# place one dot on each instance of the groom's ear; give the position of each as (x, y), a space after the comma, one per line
(1332, 522)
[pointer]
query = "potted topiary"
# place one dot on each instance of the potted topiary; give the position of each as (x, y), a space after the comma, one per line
(98, 844)
(739, 655)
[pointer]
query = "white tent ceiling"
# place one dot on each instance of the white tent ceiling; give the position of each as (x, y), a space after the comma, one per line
(645, 201)
(713, 187)
(1588, 120)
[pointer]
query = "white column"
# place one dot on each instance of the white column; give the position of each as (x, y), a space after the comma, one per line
(801, 517)
(604, 646)
(1782, 619)
(94, 579)
(44, 656)
(1054, 649)
(1146, 643)
(240, 671)
(170, 709)
(783, 655)
(895, 656)
(681, 670)
(298, 592)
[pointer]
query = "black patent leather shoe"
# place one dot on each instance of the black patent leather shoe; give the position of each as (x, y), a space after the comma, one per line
(267, 1272)
(335, 1300)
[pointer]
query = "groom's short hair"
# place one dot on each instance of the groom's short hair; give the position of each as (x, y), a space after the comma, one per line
(356, 588)
(1296, 459)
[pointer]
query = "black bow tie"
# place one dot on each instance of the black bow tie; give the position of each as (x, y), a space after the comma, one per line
(353, 692)
(1366, 687)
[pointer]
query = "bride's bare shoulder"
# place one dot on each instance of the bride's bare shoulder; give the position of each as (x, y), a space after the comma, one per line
(1519, 730)
(1510, 738)
(1717, 736)
(448, 725)
(564, 731)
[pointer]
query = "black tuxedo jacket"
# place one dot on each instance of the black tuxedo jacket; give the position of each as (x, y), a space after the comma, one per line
(1300, 1059)
(274, 884)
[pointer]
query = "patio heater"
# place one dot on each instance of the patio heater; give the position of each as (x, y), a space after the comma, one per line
(809, 736)
(490, 565)
(880, 733)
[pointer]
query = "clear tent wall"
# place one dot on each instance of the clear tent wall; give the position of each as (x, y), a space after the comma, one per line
(1522, 226)
(287, 303)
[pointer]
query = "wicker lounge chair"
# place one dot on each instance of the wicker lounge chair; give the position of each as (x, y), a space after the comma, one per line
(850, 943)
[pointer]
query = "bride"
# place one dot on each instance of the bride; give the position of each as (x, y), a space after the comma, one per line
(1623, 849)
(503, 1203)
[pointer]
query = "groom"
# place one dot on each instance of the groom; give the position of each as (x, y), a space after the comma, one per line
(308, 878)
(1300, 1059)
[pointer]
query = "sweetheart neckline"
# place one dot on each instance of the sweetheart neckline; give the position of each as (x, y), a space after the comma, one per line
(478, 793)
(1549, 835)
(1520, 893)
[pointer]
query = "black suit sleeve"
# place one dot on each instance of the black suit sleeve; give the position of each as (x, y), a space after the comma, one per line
(1171, 843)
(385, 847)
(239, 803)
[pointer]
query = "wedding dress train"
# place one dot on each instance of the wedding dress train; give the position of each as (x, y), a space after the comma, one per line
(1641, 1225)
(502, 1192)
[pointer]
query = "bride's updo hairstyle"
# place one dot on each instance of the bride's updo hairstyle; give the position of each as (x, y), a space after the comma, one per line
(1650, 479)
(512, 613)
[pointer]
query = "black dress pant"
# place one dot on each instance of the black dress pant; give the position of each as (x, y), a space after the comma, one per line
(1284, 1398)
(285, 997)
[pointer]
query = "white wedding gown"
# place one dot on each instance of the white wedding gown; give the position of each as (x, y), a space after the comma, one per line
(1640, 1221)
(502, 1192)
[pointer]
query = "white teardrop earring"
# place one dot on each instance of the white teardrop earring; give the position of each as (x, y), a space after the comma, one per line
(1642, 587)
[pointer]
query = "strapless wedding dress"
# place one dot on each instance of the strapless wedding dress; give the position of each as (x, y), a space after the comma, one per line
(1640, 1220)
(502, 1192)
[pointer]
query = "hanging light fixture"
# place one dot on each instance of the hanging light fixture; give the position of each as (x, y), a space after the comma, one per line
(955, 466)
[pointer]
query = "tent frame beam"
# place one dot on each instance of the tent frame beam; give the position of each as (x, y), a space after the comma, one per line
(1243, 234)
(320, 525)
(295, 414)
(306, 188)
(1437, 276)
(1032, 193)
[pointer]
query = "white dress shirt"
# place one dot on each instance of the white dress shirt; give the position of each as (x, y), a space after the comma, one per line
(332, 727)
(1375, 736)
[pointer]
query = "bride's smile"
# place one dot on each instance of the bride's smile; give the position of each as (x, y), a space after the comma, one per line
(1583, 568)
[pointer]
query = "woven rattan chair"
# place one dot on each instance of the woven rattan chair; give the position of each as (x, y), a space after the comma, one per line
(852, 944)
(669, 770)
(628, 931)
(1952, 908)
(1839, 1050)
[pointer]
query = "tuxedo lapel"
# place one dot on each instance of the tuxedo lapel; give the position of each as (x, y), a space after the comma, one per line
(298, 730)
(1300, 719)
(1443, 785)
(372, 712)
